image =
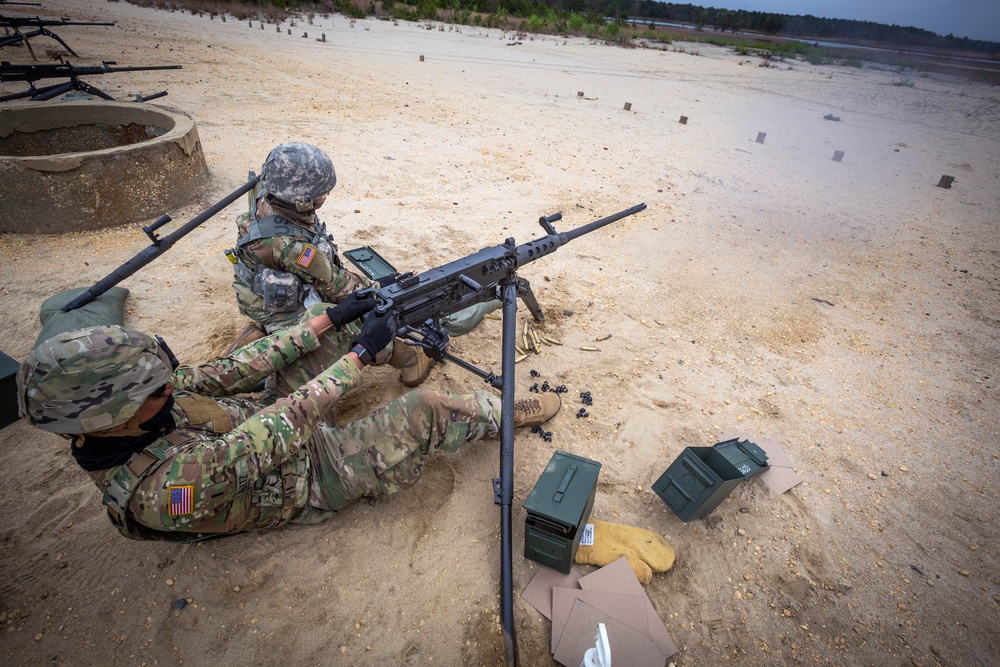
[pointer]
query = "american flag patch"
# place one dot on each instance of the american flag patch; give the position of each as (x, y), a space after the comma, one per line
(306, 258)
(181, 500)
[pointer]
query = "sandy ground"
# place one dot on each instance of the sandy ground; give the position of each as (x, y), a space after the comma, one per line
(848, 309)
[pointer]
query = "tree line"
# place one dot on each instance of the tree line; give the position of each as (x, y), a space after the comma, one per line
(808, 26)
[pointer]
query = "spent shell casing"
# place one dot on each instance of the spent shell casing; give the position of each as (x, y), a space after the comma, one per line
(553, 341)
(520, 358)
(604, 337)
(587, 348)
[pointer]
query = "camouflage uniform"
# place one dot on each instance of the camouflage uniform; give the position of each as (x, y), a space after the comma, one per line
(238, 463)
(285, 260)
(309, 254)
(312, 258)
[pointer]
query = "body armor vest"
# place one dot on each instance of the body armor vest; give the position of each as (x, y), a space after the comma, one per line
(281, 291)
(279, 488)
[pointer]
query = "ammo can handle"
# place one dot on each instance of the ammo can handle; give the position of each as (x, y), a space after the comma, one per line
(564, 484)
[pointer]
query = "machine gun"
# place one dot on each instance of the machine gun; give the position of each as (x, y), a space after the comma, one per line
(32, 73)
(491, 273)
(159, 246)
(13, 35)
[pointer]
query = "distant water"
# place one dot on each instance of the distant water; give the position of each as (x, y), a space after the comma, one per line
(815, 42)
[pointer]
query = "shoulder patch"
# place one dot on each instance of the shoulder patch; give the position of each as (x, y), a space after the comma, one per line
(307, 257)
(181, 500)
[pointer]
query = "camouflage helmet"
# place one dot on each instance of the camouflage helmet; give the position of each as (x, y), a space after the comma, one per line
(91, 379)
(299, 174)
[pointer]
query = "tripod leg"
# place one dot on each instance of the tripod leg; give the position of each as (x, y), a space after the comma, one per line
(528, 297)
(56, 37)
(48, 92)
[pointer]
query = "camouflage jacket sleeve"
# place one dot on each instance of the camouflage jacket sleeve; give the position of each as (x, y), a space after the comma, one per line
(220, 470)
(306, 261)
(248, 365)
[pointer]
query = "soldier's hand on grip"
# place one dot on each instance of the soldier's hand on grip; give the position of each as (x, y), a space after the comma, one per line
(351, 308)
(376, 331)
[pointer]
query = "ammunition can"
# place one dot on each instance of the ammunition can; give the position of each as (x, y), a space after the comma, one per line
(702, 477)
(558, 508)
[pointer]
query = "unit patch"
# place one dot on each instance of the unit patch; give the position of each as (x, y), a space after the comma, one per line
(181, 500)
(307, 256)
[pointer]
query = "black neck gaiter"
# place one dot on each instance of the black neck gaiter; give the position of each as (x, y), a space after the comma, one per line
(108, 452)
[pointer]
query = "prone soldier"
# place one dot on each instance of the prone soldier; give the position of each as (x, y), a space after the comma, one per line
(179, 454)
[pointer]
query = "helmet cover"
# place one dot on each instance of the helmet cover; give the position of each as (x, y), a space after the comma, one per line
(298, 173)
(90, 379)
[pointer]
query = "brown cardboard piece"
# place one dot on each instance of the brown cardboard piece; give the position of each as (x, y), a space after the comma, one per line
(538, 592)
(622, 607)
(628, 647)
(618, 577)
(780, 477)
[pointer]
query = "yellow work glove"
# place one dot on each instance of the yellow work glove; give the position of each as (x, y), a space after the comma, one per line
(646, 551)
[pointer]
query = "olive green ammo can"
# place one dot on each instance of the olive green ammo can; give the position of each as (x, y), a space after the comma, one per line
(702, 477)
(8, 390)
(558, 508)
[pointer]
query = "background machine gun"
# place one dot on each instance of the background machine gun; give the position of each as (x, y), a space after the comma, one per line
(32, 73)
(14, 35)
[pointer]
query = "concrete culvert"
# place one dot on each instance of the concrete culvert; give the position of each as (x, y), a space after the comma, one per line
(83, 165)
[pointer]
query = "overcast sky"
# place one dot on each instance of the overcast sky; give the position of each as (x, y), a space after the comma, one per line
(975, 19)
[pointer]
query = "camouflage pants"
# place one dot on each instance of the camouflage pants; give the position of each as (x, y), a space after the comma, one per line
(384, 452)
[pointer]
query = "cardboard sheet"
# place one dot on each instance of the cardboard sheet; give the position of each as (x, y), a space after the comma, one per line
(538, 592)
(628, 647)
(618, 577)
(780, 477)
(627, 609)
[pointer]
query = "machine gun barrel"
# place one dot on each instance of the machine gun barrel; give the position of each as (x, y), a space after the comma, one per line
(473, 279)
(31, 73)
(16, 22)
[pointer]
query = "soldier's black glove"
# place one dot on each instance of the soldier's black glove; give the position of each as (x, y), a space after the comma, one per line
(376, 332)
(351, 308)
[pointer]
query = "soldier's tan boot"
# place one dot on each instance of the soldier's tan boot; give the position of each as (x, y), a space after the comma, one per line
(536, 409)
(414, 366)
